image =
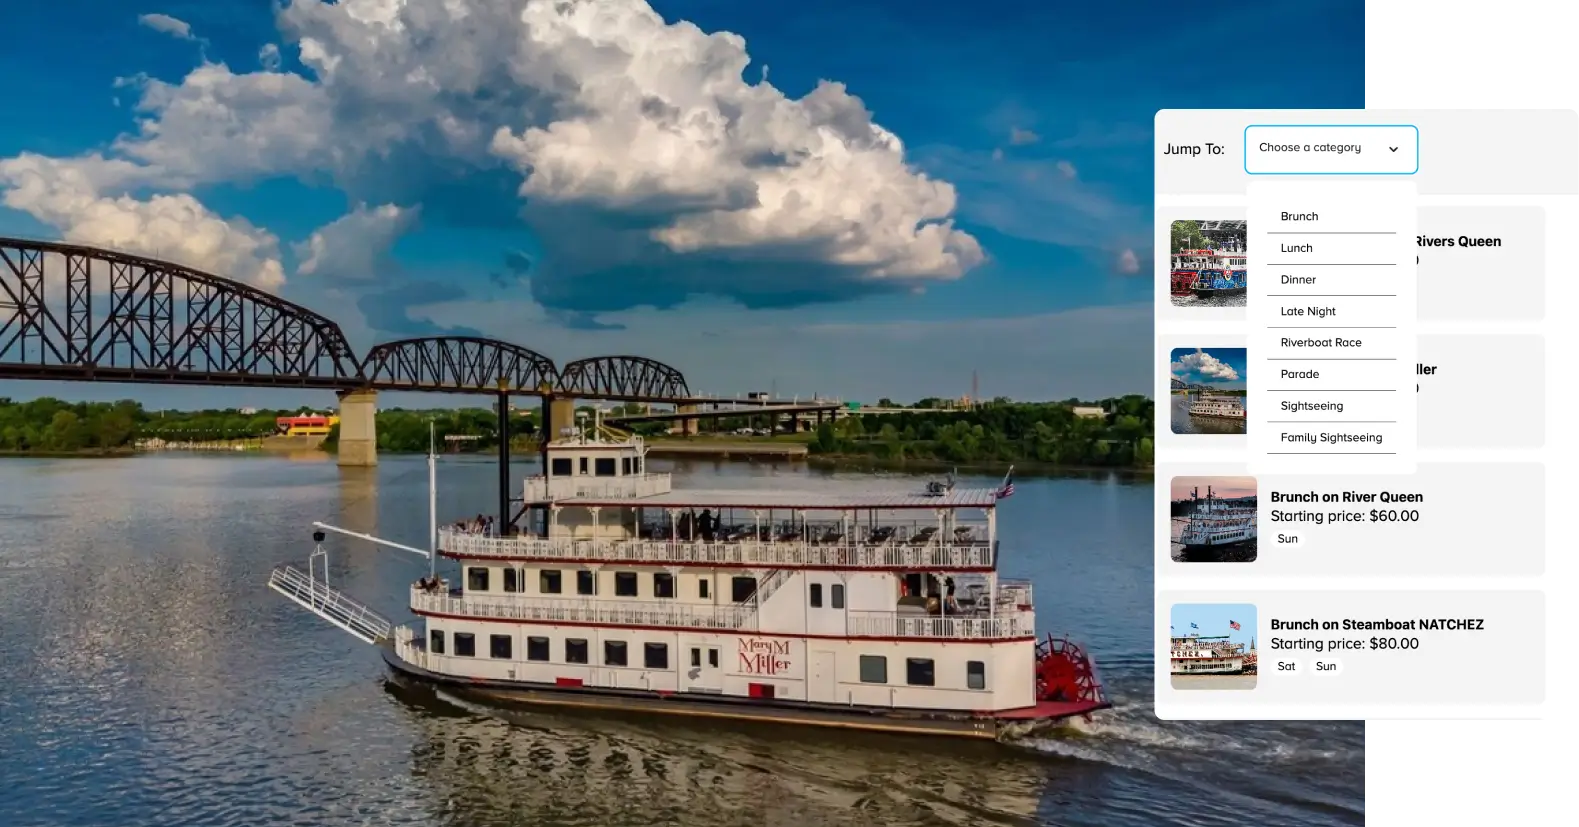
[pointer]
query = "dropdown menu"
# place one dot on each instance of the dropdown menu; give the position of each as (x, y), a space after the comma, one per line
(1332, 149)
(1332, 311)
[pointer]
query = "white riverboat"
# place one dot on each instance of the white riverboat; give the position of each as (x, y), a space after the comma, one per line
(1211, 655)
(1219, 407)
(882, 610)
(1215, 523)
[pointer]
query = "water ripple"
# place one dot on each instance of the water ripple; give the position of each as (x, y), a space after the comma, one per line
(152, 680)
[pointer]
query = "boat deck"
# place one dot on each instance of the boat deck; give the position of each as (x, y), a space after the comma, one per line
(780, 499)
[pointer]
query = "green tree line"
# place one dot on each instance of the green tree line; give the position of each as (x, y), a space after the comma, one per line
(998, 431)
(1001, 431)
(49, 425)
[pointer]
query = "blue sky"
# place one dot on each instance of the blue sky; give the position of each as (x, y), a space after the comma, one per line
(1220, 367)
(580, 197)
(1229, 487)
(1213, 618)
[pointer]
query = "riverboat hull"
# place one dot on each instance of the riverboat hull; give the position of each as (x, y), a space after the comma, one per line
(1236, 418)
(1002, 726)
(1207, 548)
(1213, 292)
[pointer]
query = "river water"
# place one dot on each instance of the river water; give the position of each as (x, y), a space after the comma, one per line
(152, 679)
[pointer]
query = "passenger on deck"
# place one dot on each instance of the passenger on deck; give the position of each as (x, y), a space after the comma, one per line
(687, 527)
(709, 525)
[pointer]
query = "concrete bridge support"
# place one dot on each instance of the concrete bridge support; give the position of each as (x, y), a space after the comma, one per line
(688, 427)
(358, 433)
(558, 414)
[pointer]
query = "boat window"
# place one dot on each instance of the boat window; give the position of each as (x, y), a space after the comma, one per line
(874, 669)
(696, 656)
(816, 595)
(662, 584)
(625, 466)
(583, 465)
(548, 581)
(975, 674)
(586, 582)
(614, 653)
(742, 588)
(436, 641)
(499, 646)
(477, 579)
(512, 580)
(576, 650)
(636, 464)
(838, 596)
(656, 655)
(604, 467)
(560, 467)
(701, 588)
(920, 672)
(712, 658)
(537, 648)
(465, 644)
(624, 584)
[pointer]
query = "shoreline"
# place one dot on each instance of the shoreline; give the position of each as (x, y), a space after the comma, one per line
(110, 453)
(683, 449)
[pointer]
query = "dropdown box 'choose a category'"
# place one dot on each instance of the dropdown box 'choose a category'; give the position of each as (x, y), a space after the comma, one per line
(1332, 149)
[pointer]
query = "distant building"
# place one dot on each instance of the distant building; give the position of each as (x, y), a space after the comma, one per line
(1087, 410)
(305, 425)
(246, 411)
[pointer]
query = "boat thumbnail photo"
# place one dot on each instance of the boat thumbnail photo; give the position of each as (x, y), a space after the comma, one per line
(1208, 263)
(1207, 390)
(1213, 519)
(1212, 646)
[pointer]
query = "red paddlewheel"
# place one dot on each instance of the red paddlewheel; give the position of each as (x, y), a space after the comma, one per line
(1064, 672)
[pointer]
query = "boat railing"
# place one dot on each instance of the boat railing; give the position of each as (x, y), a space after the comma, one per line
(998, 626)
(541, 489)
(667, 614)
(460, 543)
(410, 646)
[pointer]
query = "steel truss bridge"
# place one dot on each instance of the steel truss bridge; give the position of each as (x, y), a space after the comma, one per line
(77, 313)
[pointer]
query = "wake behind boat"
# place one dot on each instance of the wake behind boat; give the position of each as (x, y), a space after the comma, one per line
(878, 611)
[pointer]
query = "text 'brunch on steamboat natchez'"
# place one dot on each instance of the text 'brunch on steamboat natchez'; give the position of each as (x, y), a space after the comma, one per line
(1323, 324)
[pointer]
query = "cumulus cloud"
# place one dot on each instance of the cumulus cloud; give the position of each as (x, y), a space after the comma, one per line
(269, 57)
(172, 227)
(1022, 137)
(1066, 169)
(1036, 199)
(164, 23)
(646, 164)
(1128, 262)
(1206, 366)
(356, 246)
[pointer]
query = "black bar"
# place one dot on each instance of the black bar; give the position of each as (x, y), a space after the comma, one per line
(504, 464)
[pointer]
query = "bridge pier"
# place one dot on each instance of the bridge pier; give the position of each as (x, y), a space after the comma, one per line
(358, 432)
(688, 426)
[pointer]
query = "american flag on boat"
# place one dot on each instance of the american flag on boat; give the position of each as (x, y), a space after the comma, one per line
(1007, 489)
(1233, 625)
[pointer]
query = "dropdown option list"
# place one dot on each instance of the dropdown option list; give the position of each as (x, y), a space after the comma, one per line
(1332, 312)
